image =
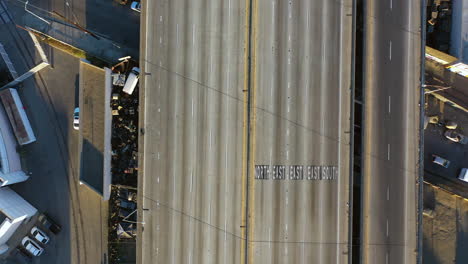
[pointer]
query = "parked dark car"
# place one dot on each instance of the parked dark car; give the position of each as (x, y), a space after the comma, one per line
(21, 255)
(50, 224)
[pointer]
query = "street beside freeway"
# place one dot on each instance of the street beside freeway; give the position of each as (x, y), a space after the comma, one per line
(391, 131)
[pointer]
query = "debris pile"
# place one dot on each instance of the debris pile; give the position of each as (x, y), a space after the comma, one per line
(124, 166)
(122, 221)
(124, 130)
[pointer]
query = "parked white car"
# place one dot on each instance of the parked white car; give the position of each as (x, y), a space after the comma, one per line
(463, 175)
(76, 119)
(32, 247)
(39, 235)
(440, 161)
(454, 136)
(136, 6)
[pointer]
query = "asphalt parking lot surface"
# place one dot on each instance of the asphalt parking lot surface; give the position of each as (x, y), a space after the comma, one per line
(435, 143)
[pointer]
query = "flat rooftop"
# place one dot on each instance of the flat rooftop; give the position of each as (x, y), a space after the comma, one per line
(95, 130)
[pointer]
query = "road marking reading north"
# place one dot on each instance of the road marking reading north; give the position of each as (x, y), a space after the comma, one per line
(296, 172)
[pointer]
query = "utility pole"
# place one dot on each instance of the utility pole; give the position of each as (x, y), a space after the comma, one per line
(26, 9)
(76, 24)
(437, 90)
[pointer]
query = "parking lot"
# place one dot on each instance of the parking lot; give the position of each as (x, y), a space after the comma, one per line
(435, 143)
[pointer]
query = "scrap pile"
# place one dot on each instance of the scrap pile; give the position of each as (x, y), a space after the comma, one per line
(124, 130)
(122, 221)
(124, 165)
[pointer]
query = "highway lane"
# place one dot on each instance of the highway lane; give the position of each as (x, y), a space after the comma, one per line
(193, 54)
(196, 142)
(301, 122)
(391, 131)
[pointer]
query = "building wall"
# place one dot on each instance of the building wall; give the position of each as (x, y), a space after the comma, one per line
(14, 206)
(10, 171)
(459, 31)
(8, 228)
(12, 177)
(16, 209)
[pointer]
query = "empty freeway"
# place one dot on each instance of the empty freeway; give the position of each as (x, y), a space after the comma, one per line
(246, 120)
(391, 131)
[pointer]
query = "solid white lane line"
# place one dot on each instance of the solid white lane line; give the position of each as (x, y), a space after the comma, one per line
(389, 103)
(211, 65)
(273, 13)
(211, 135)
(388, 151)
(390, 51)
(269, 237)
(193, 34)
(191, 180)
(387, 227)
(177, 35)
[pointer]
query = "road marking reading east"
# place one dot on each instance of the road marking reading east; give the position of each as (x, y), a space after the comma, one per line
(295, 172)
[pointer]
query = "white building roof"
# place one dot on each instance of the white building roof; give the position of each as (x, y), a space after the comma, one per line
(14, 206)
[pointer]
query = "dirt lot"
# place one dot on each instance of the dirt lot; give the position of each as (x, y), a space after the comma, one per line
(445, 227)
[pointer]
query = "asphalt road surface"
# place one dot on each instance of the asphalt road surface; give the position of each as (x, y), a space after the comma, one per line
(194, 116)
(237, 172)
(391, 137)
(301, 132)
